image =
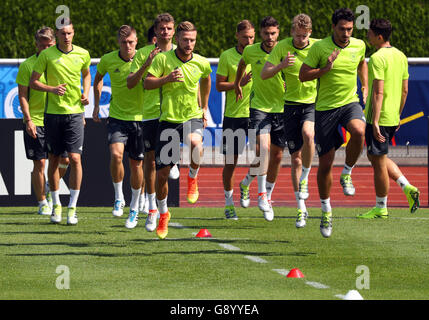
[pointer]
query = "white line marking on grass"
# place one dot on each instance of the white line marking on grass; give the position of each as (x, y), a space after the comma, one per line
(340, 296)
(229, 247)
(256, 259)
(317, 285)
(176, 225)
(282, 272)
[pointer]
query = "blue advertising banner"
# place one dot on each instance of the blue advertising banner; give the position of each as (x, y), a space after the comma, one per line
(413, 131)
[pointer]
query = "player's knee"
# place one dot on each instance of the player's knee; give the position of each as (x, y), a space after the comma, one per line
(39, 166)
(74, 159)
(358, 132)
(296, 160)
(308, 137)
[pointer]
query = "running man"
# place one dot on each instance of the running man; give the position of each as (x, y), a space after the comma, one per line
(236, 116)
(336, 61)
(388, 89)
(180, 73)
(65, 65)
(124, 125)
(266, 116)
(33, 106)
(164, 31)
(300, 98)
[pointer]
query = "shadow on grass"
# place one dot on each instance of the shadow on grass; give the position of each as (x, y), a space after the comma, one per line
(142, 254)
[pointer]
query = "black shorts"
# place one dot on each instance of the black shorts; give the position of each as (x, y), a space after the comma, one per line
(327, 131)
(130, 133)
(35, 149)
(64, 132)
(150, 129)
(294, 117)
(272, 123)
(234, 133)
(374, 147)
(169, 137)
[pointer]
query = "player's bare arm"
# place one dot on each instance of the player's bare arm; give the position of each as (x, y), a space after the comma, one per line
(270, 70)
(307, 73)
(237, 83)
(98, 86)
(25, 108)
(377, 103)
(35, 84)
(205, 86)
(86, 80)
(151, 82)
(134, 77)
(363, 76)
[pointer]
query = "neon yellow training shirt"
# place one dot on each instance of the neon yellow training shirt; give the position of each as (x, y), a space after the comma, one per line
(179, 100)
(390, 65)
(338, 87)
(59, 68)
(267, 95)
(296, 91)
(36, 99)
(151, 98)
(227, 67)
(125, 104)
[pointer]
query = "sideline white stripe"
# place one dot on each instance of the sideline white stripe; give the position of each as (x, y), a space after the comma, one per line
(317, 285)
(256, 259)
(229, 247)
(282, 272)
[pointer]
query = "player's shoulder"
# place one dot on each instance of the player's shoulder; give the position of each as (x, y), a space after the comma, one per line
(110, 55)
(252, 48)
(201, 59)
(357, 42)
(29, 62)
(80, 50)
(146, 49)
(228, 52)
(313, 40)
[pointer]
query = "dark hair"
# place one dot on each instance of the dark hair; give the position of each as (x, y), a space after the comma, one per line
(163, 17)
(342, 14)
(151, 33)
(269, 22)
(244, 25)
(381, 27)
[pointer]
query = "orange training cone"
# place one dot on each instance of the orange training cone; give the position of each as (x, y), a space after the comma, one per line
(295, 273)
(203, 233)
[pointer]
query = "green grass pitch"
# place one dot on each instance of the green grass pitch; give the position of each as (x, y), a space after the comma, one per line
(244, 259)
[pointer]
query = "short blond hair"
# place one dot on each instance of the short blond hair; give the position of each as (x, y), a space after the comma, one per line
(185, 26)
(302, 21)
(125, 31)
(44, 33)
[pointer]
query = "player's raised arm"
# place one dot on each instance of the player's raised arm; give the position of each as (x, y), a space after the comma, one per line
(134, 77)
(152, 82)
(35, 84)
(307, 73)
(270, 70)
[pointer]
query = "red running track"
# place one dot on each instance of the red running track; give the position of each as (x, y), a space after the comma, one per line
(212, 195)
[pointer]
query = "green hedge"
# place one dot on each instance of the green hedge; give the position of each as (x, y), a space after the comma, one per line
(96, 22)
